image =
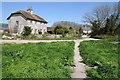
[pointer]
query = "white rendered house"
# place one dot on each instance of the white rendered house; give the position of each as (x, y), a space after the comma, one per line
(19, 19)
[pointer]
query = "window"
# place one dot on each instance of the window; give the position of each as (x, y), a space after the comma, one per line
(44, 30)
(38, 22)
(41, 30)
(17, 22)
(16, 27)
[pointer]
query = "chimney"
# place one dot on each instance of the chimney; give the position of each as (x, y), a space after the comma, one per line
(30, 10)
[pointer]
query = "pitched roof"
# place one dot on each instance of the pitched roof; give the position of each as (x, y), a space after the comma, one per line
(29, 16)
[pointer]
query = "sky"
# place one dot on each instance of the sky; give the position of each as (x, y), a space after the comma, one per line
(60, 0)
(53, 11)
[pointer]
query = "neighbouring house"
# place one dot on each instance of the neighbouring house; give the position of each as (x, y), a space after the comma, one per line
(50, 30)
(86, 30)
(19, 19)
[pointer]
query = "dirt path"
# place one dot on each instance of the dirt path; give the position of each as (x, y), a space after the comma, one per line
(37, 41)
(79, 69)
(29, 41)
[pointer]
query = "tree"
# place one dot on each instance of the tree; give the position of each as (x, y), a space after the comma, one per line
(111, 24)
(104, 19)
(99, 14)
(26, 31)
(95, 28)
(67, 24)
(71, 31)
(61, 30)
(113, 21)
(117, 31)
(80, 31)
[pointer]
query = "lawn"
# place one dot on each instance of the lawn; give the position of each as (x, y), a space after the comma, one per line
(108, 38)
(102, 56)
(37, 60)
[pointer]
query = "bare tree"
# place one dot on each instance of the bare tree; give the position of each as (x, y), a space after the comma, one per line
(116, 8)
(99, 14)
(102, 13)
(88, 17)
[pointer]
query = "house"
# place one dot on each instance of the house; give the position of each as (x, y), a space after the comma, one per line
(19, 19)
(50, 30)
(86, 29)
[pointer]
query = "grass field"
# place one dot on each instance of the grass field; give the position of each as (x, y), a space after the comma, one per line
(102, 56)
(37, 60)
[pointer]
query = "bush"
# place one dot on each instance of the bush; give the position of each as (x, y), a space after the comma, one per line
(61, 30)
(30, 37)
(18, 37)
(39, 32)
(26, 31)
(6, 32)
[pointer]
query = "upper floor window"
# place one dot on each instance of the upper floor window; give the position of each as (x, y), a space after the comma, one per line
(38, 22)
(17, 22)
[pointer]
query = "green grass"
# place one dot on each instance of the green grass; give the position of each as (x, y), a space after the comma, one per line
(108, 38)
(102, 56)
(37, 60)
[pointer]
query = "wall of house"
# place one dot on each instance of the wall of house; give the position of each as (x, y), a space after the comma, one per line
(35, 26)
(12, 23)
(43, 28)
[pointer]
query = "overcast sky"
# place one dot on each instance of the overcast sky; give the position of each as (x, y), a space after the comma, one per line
(53, 11)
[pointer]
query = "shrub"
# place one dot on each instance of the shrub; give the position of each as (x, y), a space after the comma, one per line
(39, 32)
(6, 32)
(26, 31)
(61, 30)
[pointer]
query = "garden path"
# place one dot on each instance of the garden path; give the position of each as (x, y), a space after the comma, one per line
(79, 69)
(37, 41)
